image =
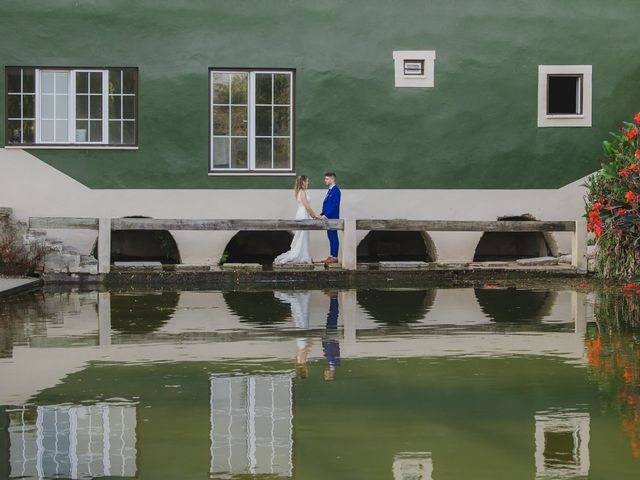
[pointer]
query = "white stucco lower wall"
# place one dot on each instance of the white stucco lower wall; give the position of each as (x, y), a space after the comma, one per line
(33, 188)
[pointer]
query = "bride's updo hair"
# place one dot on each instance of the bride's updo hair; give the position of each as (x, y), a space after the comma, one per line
(300, 181)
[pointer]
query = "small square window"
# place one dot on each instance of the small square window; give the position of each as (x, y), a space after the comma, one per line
(564, 95)
(414, 67)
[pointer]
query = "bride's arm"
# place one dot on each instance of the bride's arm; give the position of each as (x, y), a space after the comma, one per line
(303, 198)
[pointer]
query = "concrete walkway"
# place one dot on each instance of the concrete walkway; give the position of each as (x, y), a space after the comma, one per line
(11, 285)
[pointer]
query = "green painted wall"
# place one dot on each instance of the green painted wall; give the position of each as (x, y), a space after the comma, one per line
(476, 129)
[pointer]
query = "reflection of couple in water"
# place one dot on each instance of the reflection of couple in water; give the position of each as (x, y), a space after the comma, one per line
(299, 302)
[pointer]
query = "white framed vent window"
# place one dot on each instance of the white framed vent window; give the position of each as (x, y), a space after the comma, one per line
(252, 127)
(564, 95)
(414, 68)
(71, 107)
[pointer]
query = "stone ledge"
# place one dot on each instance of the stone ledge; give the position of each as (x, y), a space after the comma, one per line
(245, 267)
(294, 266)
(136, 267)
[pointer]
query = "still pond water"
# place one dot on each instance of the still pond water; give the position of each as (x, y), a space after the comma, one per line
(451, 383)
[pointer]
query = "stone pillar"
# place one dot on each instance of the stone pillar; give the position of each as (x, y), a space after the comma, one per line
(349, 245)
(104, 245)
(104, 319)
(579, 247)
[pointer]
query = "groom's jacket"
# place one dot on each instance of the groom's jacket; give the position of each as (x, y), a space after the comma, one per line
(331, 204)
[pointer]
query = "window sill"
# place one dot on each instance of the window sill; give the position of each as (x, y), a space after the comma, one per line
(70, 147)
(252, 173)
(564, 117)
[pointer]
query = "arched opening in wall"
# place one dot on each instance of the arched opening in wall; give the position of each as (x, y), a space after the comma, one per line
(257, 247)
(396, 246)
(515, 305)
(510, 246)
(396, 307)
(142, 246)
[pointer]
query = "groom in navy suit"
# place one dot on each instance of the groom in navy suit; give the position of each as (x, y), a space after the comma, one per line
(331, 210)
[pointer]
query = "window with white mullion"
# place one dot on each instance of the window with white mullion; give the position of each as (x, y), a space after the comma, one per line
(229, 120)
(53, 99)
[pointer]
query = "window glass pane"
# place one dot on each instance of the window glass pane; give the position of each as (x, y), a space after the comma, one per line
(95, 106)
(62, 131)
(130, 78)
(115, 106)
(263, 121)
(13, 106)
(220, 120)
(220, 152)
(281, 88)
(129, 133)
(239, 153)
(82, 82)
(239, 121)
(29, 106)
(14, 131)
(82, 131)
(281, 152)
(62, 106)
(220, 88)
(29, 131)
(129, 108)
(62, 82)
(95, 82)
(28, 80)
(46, 134)
(47, 80)
(82, 106)
(239, 84)
(115, 132)
(115, 81)
(263, 88)
(281, 120)
(263, 153)
(563, 95)
(95, 131)
(47, 105)
(14, 81)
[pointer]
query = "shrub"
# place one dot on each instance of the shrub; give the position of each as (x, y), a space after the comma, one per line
(17, 256)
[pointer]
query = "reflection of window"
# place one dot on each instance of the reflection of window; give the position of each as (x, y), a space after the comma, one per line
(562, 444)
(71, 107)
(73, 441)
(251, 425)
(564, 96)
(412, 466)
(251, 121)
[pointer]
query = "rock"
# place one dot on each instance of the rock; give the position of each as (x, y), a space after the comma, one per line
(565, 259)
(490, 264)
(6, 212)
(249, 267)
(537, 261)
(56, 262)
(90, 269)
(88, 260)
(591, 265)
(192, 267)
(294, 266)
(402, 265)
(591, 251)
(136, 267)
(452, 264)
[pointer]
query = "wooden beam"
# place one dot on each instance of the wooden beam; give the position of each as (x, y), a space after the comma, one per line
(466, 225)
(199, 224)
(63, 223)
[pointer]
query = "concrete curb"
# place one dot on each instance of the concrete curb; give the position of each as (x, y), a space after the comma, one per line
(11, 286)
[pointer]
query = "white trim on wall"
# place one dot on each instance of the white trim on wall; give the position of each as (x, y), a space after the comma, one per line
(426, 79)
(582, 119)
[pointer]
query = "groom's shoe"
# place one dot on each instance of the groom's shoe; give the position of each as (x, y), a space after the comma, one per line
(331, 260)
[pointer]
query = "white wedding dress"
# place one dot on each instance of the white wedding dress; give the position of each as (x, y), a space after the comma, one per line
(300, 245)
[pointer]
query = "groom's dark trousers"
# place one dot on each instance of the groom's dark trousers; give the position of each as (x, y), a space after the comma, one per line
(331, 209)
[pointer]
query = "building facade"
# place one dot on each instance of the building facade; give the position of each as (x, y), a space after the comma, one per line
(209, 109)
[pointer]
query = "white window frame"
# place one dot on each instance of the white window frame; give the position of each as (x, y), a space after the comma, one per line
(584, 119)
(426, 80)
(251, 125)
(71, 116)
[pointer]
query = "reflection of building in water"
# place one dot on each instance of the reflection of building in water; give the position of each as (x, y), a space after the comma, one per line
(252, 425)
(73, 441)
(562, 444)
(412, 466)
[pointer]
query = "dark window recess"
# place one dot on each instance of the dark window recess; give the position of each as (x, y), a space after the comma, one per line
(414, 67)
(564, 95)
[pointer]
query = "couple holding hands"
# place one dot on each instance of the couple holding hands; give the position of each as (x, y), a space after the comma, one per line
(300, 251)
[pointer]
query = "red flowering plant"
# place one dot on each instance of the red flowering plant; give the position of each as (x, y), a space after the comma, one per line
(612, 204)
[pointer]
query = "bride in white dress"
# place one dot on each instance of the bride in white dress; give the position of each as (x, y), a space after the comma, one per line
(300, 251)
